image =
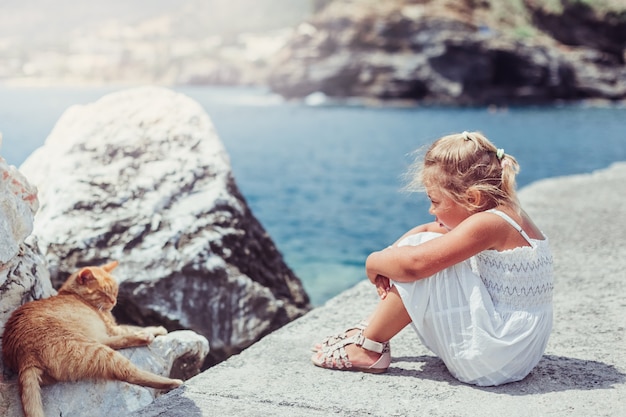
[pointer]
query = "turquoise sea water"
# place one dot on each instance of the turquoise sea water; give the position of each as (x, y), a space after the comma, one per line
(325, 181)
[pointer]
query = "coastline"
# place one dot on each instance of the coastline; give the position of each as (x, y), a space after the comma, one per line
(583, 370)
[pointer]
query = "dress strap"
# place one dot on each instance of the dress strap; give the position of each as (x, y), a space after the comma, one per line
(514, 224)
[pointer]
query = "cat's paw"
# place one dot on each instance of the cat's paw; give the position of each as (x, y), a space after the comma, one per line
(156, 330)
(159, 331)
(144, 337)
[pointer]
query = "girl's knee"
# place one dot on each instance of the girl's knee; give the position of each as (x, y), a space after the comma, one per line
(418, 238)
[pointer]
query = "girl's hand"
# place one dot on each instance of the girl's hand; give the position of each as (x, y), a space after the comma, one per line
(382, 286)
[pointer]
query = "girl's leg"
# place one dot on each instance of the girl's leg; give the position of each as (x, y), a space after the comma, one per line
(387, 320)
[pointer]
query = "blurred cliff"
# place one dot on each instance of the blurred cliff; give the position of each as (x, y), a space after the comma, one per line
(435, 52)
(458, 52)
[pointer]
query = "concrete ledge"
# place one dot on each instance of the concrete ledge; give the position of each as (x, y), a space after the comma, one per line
(582, 374)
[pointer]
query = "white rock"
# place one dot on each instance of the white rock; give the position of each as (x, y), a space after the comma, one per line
(140, 176)
(18, 204)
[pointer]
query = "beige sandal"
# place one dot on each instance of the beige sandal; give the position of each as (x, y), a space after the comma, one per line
(335, 356)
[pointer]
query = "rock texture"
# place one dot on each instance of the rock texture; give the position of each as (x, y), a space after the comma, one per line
(23, 273)
(182, 350)
(18, 205)
(455, 52)
(141, 176)
(23, 278)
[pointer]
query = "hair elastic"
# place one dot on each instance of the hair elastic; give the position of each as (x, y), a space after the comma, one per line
(500, 154)
(466, 135)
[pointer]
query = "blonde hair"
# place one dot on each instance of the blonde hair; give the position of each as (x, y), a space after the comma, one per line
(465, 166)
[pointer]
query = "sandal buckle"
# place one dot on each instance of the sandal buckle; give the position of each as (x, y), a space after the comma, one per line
(369, 344)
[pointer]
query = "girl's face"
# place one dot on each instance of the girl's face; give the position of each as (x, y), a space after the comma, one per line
(448, 213)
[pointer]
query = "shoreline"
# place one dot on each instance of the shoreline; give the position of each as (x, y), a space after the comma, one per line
(312, 100)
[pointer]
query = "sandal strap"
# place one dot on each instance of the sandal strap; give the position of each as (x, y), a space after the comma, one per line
(331, 340)
(360, 340)
(369, 344)
(337, 358)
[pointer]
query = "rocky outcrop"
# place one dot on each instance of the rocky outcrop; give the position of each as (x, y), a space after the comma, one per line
(140, 176)
(23, 273)
(448, 52)
(579, 25)
(24, 277)
(18, 205)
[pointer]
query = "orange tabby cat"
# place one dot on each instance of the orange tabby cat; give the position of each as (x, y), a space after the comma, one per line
(72, 336)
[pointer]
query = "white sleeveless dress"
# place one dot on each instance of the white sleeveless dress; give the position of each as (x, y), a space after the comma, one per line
(488, 318)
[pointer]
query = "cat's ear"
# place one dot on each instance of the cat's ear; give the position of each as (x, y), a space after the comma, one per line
(84, 275)
(110, 266)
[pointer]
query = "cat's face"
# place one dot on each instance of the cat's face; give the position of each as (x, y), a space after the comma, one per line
(95, 285)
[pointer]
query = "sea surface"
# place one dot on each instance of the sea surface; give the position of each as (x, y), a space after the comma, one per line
(326, 181)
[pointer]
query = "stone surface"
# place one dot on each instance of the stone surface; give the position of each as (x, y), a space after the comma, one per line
(185, 350)
(23, 272)
(583, 372)
(140, 176)
(18, 205)
(453, 53)
(578, 25)
(24, 278)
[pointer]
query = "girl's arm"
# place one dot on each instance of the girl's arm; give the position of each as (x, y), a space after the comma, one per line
(409, 263)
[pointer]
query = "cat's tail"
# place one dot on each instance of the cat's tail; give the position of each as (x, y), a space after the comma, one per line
(30, 390)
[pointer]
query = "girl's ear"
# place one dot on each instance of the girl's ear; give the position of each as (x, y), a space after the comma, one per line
(474, 197)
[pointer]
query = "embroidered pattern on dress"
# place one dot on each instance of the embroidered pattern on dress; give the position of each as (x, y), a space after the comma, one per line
(542, 292)
(538, 264)
(518, 279)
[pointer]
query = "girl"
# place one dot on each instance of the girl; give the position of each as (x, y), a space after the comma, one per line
(475, 284)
